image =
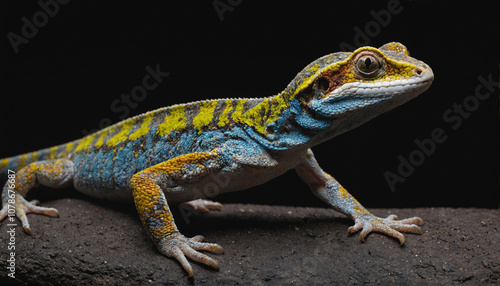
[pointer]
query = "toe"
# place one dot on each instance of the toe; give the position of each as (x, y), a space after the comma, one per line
(179, 247)
(392, 217)
(391, 226)
(396, 234)
(413, 220)
(202, 206)
(366, 230)
(35, 202)
(197, 238)
(355, 228)
(412, 228)
(179, 256)
(24, 220)
(199, 257)
(41, 210)
(212, 247)
(27, 228)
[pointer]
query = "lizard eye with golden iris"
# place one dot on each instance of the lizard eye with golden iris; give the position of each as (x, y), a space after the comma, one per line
(368, 65)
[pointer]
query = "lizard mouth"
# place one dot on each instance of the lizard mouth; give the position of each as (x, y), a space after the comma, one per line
(360, 94)
(367, 90)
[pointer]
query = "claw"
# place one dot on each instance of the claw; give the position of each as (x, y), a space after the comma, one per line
(391, 226)
(178, 246)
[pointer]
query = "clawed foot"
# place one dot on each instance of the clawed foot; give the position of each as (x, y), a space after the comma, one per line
(391, 226)
(22, 207)
(202, 206)
(178, 246)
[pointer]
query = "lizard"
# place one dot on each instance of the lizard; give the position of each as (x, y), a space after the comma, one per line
(182, 153)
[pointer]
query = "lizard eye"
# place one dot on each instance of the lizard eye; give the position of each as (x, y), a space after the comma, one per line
(322, 85)
(368, 65)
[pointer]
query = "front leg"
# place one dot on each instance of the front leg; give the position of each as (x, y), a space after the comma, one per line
(155, 213)
(330, 191)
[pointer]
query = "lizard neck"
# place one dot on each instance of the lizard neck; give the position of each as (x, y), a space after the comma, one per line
(272, 123)
(268, 111)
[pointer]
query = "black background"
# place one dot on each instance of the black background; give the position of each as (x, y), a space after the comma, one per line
(65, 78)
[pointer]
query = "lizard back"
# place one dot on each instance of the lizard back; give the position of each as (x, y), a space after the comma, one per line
(139, 142)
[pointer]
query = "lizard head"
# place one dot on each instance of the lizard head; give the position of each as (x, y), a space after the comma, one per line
(342, 90)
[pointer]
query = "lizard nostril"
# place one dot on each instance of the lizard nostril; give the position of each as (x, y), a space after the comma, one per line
(418, 71)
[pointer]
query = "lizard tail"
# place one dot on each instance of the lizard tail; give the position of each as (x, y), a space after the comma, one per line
(15, 163)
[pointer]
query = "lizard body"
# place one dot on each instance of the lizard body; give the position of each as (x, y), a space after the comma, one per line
(189, 151)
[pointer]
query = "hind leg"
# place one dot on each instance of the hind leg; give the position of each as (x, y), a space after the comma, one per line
(51, 173)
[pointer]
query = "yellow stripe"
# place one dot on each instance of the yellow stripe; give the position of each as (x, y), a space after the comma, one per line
(85, 143)
(52, 153)
(123, 134)
(174, 121)
(23, 160)
(224, 118)
(144, 129)
(313, 68)
(205, 115)
(277, 105)
(103, 134)
(33, 156)
(69, 148)
(236, 116)
(255, 116)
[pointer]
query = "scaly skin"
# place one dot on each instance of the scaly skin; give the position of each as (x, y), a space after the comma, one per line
(186, 152)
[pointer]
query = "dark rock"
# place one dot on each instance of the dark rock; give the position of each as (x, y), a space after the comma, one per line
(94, 243)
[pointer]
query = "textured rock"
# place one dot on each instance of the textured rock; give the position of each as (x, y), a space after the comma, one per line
(96, 243)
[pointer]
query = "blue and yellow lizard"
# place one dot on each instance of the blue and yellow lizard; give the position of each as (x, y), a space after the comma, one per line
(182, 153)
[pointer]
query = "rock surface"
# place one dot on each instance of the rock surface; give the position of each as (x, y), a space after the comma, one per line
(93, 243)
